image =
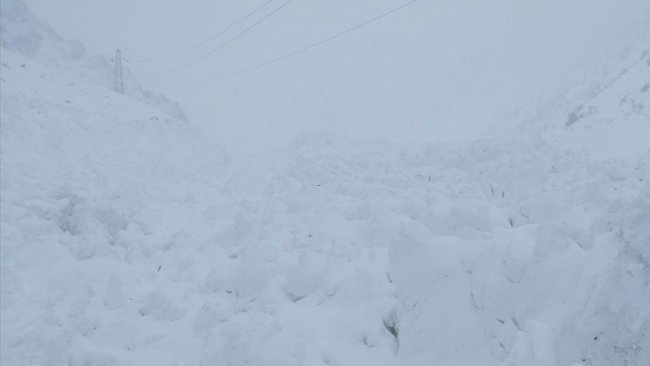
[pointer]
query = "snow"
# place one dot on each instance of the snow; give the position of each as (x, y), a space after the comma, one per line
(129, 238)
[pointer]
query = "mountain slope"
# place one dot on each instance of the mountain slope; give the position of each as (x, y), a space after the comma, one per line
(25, 34)
(615, 113)
(92, 180)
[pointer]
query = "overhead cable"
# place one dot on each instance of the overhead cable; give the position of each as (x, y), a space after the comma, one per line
(210, 38)
(227, 42)
(308, 47)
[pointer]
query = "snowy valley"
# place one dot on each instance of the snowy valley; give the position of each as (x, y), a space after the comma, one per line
(129, 238)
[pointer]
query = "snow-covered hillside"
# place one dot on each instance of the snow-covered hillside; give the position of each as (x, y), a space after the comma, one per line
(80, 166)
(615, 109)
(128, 239)
(23, 33)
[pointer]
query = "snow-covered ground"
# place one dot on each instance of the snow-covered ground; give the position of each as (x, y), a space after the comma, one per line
(127, 238)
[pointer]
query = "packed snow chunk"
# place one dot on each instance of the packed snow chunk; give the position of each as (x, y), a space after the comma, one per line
(160, 307)
(434, 289)
(113, 297)
(210, 315)
(306, 277)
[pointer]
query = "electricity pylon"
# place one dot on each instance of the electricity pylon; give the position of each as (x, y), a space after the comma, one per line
(118, 84)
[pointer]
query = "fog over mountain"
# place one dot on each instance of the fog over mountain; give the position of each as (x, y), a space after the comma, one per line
(434, 71)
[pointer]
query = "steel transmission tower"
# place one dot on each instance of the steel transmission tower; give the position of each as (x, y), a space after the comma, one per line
(118, 84)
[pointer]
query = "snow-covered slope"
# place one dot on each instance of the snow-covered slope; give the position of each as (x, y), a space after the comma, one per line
(601, 109)
(126, 239)
(615, 111)
(92, 181)
(23, 33)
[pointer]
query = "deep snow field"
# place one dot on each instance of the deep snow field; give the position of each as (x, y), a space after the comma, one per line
(127, 238)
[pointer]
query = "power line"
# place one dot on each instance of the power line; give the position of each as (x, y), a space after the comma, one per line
(227, 42)
(310, 46)
(210, 38)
